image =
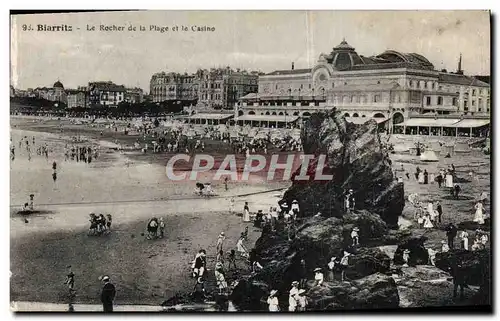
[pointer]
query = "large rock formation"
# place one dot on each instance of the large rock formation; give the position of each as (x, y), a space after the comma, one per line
(357, 160)
(316, 241)
(471, 268)
(376, 291)
(419, 255)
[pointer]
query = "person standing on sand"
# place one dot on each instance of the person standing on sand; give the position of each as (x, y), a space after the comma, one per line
(232, 260)
(456, 191)
(273, 302)
(426, 177)
(439, 179)
(241, 247)
(107, 295)
(439, 209)
(220, 241)
(231, 205)
(464, 239)
(451, 233)
(70, 281)
(246, 213)
(479, 214)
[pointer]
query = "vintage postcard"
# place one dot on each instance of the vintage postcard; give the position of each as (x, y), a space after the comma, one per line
(275, 161)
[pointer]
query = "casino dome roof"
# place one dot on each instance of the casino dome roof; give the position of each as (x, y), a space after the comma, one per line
(58, 84)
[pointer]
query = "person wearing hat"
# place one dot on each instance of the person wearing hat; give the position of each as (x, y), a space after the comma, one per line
(406, 257)
(318, 276)
(220, 278)
(464, 237)
(444, 247)
(273, 302)
(246, 213)
(200, 263)
(302, 300)
(283, 209)
(32, 205)
(432, 256)
(242, 250)
(292, 298)
(161, 227)
(295, 209)
(108, 294)
(220, 241)
(344, 263)
(70, 281)
(349, 201)
(451, 233)
(332, 265)
(355, 236)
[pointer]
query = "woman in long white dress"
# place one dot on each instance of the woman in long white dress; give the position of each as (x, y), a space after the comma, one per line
(479, 216)
(449, 180)
(273, 302)
(421, 178)
(427, 221)
(246, 213)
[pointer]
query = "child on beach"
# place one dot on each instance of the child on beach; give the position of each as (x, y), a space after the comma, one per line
(232, 259)
(70, 281)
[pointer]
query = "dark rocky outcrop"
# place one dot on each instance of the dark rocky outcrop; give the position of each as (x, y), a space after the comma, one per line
(366, 261)
(471, 268)
(376, 291)
(317, 239)
(357, 159)
(418, 253)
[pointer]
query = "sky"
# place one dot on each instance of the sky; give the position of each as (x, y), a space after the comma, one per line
(252, 40)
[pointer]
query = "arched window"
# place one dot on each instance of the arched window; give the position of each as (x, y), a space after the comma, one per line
(355, 115)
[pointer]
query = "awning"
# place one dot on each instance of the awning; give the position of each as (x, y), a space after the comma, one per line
(270, 118)
(471, 123)
(429, 122)
(362, 120)
(211, 116)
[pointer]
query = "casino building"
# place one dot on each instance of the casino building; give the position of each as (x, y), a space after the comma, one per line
(390, 87)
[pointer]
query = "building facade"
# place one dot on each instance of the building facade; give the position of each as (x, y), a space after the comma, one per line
(173, 87)
(77, 98)
(134, 95)
(56, 93)
(217, 88)
(392, 85)
(221, 88)
(106, 93)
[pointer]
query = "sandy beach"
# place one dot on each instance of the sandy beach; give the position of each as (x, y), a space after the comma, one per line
(133, 191)
(133, 188)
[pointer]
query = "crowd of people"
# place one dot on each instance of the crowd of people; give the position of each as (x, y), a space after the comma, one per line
(99, 224)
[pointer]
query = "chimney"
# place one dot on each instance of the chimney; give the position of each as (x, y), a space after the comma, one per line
(293, 66)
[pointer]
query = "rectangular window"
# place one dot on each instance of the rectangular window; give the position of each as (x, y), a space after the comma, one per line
(428, 101)
(376, 98)
(440, 100)
(473, 103)
(455, 101)
(473, 92)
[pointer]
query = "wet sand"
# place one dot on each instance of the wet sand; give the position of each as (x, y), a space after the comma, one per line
(144, 271)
